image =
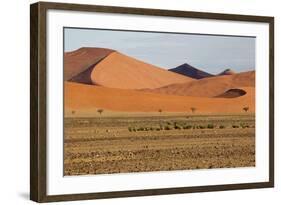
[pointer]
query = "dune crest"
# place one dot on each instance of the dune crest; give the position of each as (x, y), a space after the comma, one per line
(78, 61)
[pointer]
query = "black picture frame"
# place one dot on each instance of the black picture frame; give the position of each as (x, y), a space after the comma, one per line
(38, 96)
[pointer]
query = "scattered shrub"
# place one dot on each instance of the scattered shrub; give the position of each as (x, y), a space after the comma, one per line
(210, 126)
(221, 126)
(244, 125)
(201, 127)
(235, 126)
(167, 128)
(187, 127)
(177, 127)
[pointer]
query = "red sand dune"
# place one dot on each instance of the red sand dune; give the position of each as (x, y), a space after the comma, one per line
(78, 61)
(209, 87)
(121, 71)
(82, 97)
(109, 68)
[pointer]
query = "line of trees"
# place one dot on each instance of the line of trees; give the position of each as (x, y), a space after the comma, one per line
(193, 110)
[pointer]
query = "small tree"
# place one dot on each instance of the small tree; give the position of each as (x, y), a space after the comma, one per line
(193, 109)
(73, 112)
(100, 111)
(246, 109)
(160, 110)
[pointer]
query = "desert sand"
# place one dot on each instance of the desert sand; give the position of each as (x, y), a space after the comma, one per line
(209, 87)
(81, 97)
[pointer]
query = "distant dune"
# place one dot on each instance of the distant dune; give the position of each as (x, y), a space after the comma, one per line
(190, 71)
(112, 69)
(227, 72)
(209, 87)
(80, 60)
(87, 98)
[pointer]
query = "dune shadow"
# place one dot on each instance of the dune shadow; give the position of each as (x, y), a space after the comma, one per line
(232, 93)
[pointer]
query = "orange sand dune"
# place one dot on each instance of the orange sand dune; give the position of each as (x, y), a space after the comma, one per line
(82, 97)
(121, 71)
(80, 60)
(209, 87)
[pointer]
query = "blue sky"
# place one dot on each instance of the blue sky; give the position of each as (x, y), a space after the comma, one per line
(167, 50)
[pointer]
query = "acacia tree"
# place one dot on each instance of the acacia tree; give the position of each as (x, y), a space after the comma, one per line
(100, 111)
(193, 109)
(246, 109)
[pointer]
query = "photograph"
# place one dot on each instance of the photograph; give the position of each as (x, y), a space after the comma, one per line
(149, 101)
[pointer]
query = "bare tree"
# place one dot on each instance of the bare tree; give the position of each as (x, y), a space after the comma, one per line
(193, 109)
(100, 111)
(246, 109)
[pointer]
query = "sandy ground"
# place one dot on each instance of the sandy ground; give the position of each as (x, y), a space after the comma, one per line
(209, 87)
(82, 98)
(110, 145)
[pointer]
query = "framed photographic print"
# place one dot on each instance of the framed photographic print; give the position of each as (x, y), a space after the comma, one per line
(134, 102)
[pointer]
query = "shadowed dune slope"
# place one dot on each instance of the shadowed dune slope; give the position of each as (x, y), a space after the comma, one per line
(80, 60)
(209, 87)
(121, 71)
(87, 98)
(232, 93)
(190, 71)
